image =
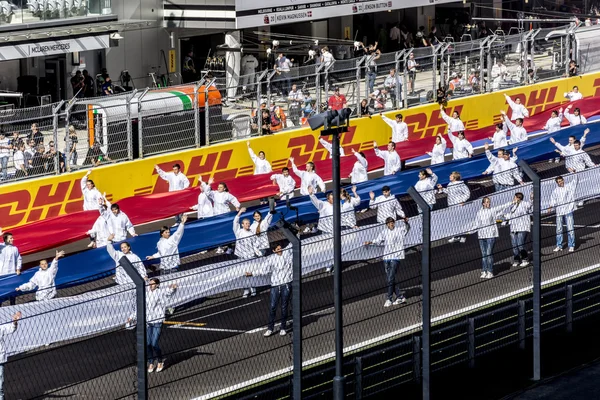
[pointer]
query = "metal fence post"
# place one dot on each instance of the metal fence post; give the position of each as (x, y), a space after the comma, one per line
(197, 133)
(434, 67)
(358, 76)
(55, 111)
(537, 271)
(318, 91)
(68, 106)
(207, 111)
(482, 64)
(426, 283)
(522, 324)
(326, 84)
(140, 123)
(569, 306)
(140, 334)
(417, 358)
(269, 77)
(130, 126)
(291, 235)
(398, 56)
(405, 73)
(471, 341)
(358, 378)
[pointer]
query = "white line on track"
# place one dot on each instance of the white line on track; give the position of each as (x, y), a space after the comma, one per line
(200, 328)
(222, 311)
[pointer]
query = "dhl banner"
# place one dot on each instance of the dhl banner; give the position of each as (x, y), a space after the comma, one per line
(38, 199)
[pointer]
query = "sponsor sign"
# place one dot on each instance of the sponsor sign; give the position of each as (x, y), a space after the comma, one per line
(50, 47)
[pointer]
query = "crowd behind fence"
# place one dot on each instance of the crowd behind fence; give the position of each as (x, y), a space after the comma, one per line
(82, 133)
(208, 337)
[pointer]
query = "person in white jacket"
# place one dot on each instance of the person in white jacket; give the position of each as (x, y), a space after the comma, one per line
(204, 207)
(43, 279)
(572, 140)
(505, 171)
(387, 205)
(439, 150)
(575, 158)
(259, 227)
(5, 330)
(119, 223)
(329, 147)
(286, 184)
(349, 203)
(487, 232)
(261, 166)
(308, 177)
(280, 266)
(245, 243)
(457, 192)
(553, 124)
(499, 137)
(517, 131)
(461, 147)
(426, 186)
(392, 239)
(399, 128)
(222, 199)
(391, 158)
(101, 228)
(90, 193)
(518, 109)
(563, 201)
(177, 181)
(121, 277)
(454, 122)
(576, 118)
(518, 217)
(168, 248)
(574, 94)
(10, 258)
(359, 169)
(325, 209)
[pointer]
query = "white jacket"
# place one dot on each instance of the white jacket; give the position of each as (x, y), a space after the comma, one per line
(517, 133)
(10, 259)
(221, 200)
(100, 231)
(457, 193)
(460, 148)
(426, 188)
(44, 281)
(438, 152)
(563, 198)
(576, 159)
(156, 304)
(359, 170)
(505, 172)
(553, 124)
(325, 214)
(168, 250)
(279, 266)
(518, 216)
(518, 110)
(262, 239)
(572, 96)
(391, 160)
(454, 124)
(118, 224)
(499, 137)
(90, 197)
(399, 129)
(347, 210)
(5, 330)
(204, 206)
(485, 221)
(329, 148)
(245, 245)
(308, 179)
(386, 207)
(176, 182)
(393, 241)
(260, 166)
(575, 119)
(120, 274)
(286, 184)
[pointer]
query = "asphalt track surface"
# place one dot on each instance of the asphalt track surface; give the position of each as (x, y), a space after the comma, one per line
(220, 343)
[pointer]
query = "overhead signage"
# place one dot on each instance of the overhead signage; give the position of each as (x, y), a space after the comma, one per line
(51, 47)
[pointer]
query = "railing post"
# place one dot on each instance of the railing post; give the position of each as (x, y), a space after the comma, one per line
(482, 64)
(537, 272)
(140, 334)
(318, 90)
(434, 68)
(417, 358)
(140, 122)
(207, 85)
(326, 85)
(398, 56)
(522, 324)
(55, 111)
(358, 378)
(130, 126)
(471, 341)
(569, 306)
(358, 75)
(426, 283)
(68, 106)
(197, 132)
(291, 234)
(405, 73)
(269, 78)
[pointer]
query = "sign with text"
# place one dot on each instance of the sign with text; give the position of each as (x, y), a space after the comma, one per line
(172, 62)
(50, 47)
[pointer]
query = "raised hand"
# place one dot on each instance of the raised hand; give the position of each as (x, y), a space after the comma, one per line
(372, 195)
(59, 254)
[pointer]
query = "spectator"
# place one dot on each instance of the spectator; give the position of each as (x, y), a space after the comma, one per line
(378, 100)
(189, 69)
(421, 40)
(337, 101)
(49, 157)
(573, 68)
(277, 116)
(411, 66)
(266, 123)
(327, 59)
(15, 140)
(107, 87)
(95, 156)
(19, 161)
(248, 78)
(88, 84)
(395, 37)
(36, 135)
(5, 148)
(283, 69)
(295, 102)
(432, 37)
(71, 147)
(393, 87)
(257, 116)
(374, 55)
(38, 162)
(78, 85)
(364, 108)
(406, 38)
(29, 153)
(308, 104)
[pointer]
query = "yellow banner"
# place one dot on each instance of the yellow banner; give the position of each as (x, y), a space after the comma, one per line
(34, 200)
